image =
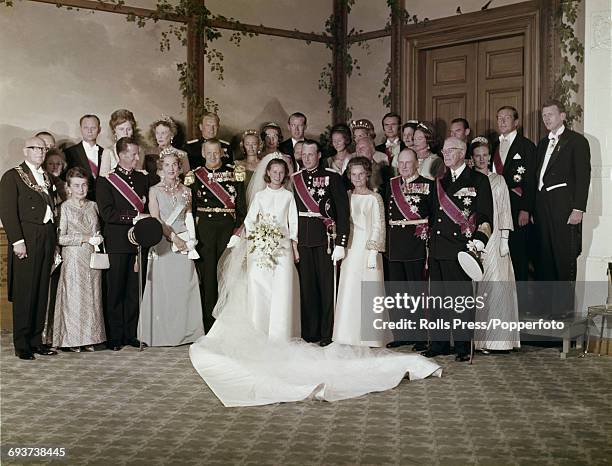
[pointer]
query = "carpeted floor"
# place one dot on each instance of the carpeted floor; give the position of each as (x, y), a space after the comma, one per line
(150, 408)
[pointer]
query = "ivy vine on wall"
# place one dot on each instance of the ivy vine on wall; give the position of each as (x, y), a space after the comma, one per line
(572, 52)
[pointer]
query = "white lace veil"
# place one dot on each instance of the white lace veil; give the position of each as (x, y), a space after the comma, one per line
(231, 269)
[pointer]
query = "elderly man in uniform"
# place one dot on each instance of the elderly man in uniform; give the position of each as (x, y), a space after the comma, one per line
(462, 220)
(209, 127)
(26, 211)
(219, 206)
(408, 205)
(323, 210)
(122, 198)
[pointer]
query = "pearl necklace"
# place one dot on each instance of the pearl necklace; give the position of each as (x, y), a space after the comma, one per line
(171, 190)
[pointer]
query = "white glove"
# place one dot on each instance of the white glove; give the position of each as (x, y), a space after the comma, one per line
(139, 217)
(372, 256)
(475, 245)
(504, 249)
(338, 254)
(234, 240)
(191, 244)
(95, 240)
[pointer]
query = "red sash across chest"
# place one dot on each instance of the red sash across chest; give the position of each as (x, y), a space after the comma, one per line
(307, 199)
(467, 225)
(93, 167)
(126, 191)
(215, 187)
(404, 206)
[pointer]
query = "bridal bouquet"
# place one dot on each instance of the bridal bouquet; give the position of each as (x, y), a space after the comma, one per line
(266, 242)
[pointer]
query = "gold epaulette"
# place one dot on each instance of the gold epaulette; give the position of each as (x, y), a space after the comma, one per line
(189, 178)
(239, 172)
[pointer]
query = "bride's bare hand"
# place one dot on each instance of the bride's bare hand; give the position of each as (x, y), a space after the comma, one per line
(296, 254)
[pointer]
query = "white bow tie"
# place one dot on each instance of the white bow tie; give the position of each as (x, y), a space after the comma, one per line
(389, 143)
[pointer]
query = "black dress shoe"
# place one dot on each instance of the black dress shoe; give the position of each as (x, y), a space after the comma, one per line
(45, 351)
(135, 342)
(397, 344)
(430, 354)
(420, 346)
(462, 357)
(325, 342)
(25, 355)
(115, 347)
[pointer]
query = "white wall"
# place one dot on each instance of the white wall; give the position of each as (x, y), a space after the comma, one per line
(597, 124)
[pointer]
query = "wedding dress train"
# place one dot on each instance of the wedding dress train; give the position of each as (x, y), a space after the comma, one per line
(243, 367)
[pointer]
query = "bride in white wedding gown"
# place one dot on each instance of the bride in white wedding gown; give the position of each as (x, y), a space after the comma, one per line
(244, 367)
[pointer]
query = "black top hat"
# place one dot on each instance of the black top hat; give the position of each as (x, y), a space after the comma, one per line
(146, 233)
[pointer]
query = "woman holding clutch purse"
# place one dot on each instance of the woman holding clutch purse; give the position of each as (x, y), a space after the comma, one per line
(78, 321)
(171, 312)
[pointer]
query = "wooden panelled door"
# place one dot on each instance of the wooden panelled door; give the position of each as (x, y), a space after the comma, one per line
(472, 81)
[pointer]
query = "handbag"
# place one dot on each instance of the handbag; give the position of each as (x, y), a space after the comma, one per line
(99, 260)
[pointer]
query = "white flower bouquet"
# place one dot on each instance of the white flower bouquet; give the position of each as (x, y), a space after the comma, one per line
(265, 239)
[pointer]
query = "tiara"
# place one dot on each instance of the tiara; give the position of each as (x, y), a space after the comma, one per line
(167, 120)
(169, 151)
(363, 124)
(270, 125)
(480, 139)
(250, 132)
(412, 122)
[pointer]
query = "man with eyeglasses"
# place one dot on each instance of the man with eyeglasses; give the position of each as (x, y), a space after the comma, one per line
(26, 212)
(462, 220)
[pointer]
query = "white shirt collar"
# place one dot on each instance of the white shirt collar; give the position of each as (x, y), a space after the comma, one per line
(392, 142)
(510, 137)
(88, 146)
(295, 141)
(33, 168)
(555, 135)
(457, 173)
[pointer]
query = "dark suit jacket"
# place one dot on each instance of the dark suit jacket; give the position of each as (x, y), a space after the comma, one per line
(117, 213)
(383, 147)
(446, 238)
(286, 147)
(568, 173)
(76, 157)
(521, 158)
(19, 205)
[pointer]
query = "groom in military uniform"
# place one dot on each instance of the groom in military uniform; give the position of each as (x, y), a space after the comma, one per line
(209, 127)
(219, 206)
(323, 208)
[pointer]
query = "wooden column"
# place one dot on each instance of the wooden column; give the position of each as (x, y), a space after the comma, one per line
(195, 59)
(397, 21)
(339, 49)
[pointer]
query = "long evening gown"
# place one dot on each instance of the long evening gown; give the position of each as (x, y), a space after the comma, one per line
(171, 292)
(273, 294)
(244, 367)
(78, 319)
(352, 324)
(498, 283)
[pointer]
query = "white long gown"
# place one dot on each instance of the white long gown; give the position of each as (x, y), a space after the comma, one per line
(273, 294)
(244, 367)
(367, 234)
(498, 283)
